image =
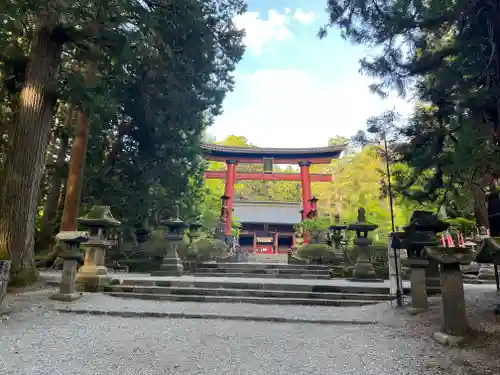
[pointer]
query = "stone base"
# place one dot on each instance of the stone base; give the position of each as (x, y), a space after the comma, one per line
(92, 270)
(66, 297)
(172, 272)
(364, 270)
(169, 267)
(486, 272)
(415, 310)
(92, 283)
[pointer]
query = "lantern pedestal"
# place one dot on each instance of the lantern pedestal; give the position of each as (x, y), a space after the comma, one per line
(171, 264)
(93, 275)
(419, 300)
(71, 256)
(452, 288)
(363, 269)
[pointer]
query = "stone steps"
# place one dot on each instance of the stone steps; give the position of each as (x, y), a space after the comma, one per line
(246, 293)
(306, 276)
(241, 299)
(262, 266)
(337, 286)
(272, 271)
(264, 270)
(251, 290)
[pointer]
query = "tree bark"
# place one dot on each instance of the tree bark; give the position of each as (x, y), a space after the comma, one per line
(77, 163)
(25, 164)
(480, 205)
(54, 193)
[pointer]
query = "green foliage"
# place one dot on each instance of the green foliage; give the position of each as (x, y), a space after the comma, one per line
(312, 225)
(461, 224)
(317, 252)
(443, 51)
(207, 249)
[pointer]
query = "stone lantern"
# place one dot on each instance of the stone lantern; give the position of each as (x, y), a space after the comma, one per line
(194, 230)
(223, 204)
(363, 269)
(336, 234)
(71, 255)
(421, 232)
(101, 225)
(313, 214)
(171, 264)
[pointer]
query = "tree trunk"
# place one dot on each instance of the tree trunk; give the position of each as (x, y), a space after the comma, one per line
(480, 205)
(54, 193)
(77, 163)
(25, 164)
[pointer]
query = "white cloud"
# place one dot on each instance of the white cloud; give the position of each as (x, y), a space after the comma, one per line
(289, 108)
(260, 33)
(305, 18)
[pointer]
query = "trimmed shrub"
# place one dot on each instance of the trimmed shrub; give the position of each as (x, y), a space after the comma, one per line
(207, 249)
(317, 253)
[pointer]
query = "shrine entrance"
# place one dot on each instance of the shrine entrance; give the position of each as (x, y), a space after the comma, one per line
(303, 157)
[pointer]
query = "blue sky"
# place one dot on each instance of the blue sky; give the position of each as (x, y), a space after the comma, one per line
(292, 89)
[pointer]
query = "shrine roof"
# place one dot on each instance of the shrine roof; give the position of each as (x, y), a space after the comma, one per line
(236, 152)
(261, 212)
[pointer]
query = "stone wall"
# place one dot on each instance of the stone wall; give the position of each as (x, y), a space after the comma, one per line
(4, 278)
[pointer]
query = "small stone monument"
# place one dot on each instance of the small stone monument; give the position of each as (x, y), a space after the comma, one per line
(4, 278)
(100, 223)
(363, 269)
(171, 264)
(452, 288)
(70, 256)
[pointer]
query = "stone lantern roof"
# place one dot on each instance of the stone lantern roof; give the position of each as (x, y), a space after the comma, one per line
(99, 216)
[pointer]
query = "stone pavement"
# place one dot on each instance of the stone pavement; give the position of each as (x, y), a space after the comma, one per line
(379, 340)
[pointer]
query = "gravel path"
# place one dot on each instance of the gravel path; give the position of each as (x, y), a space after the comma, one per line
(53, 344)
(36, 339)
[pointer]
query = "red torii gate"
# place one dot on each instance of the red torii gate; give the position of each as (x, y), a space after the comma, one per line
(304, 157)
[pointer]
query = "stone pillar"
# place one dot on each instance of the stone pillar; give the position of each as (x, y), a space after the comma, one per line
(419, 300)
(171, 264)
(305, 181)
(229, 192)
(70, 256)
(4, 278)
(452, 289)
